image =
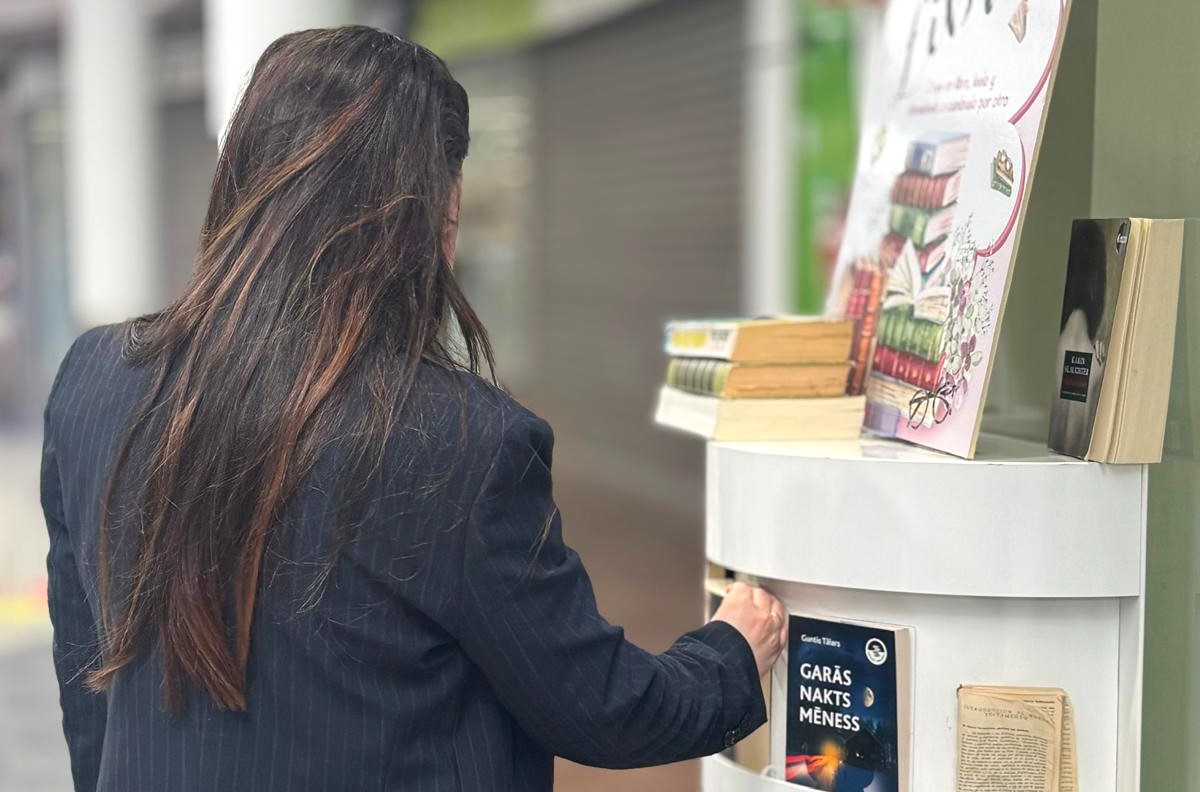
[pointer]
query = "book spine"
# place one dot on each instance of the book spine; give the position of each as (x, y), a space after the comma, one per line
(698, 375)
(865, 331)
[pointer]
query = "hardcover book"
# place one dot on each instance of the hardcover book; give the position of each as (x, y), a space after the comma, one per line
(1116, 339)
(914, 188)
(921, 225)
(862, 310)
(953, 118)
(938, 153)
(846, 693)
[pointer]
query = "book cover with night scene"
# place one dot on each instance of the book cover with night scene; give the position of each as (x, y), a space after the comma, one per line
(848, 688)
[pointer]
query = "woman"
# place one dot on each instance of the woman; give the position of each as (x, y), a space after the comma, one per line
(294, 544)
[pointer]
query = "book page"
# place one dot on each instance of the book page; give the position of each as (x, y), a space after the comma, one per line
(1068, 772)
(1007, 742)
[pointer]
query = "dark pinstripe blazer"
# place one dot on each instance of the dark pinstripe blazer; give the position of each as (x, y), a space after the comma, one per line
(453, 648)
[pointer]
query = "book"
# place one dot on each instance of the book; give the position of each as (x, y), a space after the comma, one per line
(846, 690)
(913, 188)
(929, 109)
(729, 380)
(938, 153)
(907, 367)
(863, 311)
(1116, 339)
(892, 403)
(901, 331)
(890, 392)
(993, 721)
(837, 418)
(783, 340)
(921, 225)
(928, 256)
(754, 750)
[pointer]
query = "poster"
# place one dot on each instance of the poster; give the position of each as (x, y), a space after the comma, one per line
(955, 112)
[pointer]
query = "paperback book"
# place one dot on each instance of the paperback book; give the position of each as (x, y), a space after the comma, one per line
(1116, 339)
(845, 689)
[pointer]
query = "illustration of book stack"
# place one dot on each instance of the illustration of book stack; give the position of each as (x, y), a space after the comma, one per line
(862, 308)
(907, 357)
(924, 198)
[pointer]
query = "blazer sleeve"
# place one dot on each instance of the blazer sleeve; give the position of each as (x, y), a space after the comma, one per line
(75, 639)
(528, 618)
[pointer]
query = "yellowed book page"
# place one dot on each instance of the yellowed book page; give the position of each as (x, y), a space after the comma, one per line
(1120, 336)
(1009, 743)
(1068, 766)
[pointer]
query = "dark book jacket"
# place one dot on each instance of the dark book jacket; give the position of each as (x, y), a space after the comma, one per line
(1095, 264)
(847, 705)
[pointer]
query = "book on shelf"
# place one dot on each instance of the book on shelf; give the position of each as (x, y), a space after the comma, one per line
(835, 418)
(729, 380)
(922, 226)
(1016, 738)
(754, 750)
(938, 153)
(1116, 339)
(846, 688)
(803, 339)
(913, 188)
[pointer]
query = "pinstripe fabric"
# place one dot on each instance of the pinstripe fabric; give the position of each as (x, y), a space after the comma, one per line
(448, 652)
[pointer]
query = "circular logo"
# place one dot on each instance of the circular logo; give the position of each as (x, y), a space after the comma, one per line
(876, 652)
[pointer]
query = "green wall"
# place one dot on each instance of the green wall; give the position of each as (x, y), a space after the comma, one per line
(1123, 138)
(1147, 162)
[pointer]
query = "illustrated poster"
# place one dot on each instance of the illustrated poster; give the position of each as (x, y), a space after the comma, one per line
(954, 116)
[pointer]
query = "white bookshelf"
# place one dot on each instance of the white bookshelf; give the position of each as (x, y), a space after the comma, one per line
(1017, 568)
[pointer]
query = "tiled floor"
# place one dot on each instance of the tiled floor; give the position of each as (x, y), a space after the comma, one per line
(645, 562)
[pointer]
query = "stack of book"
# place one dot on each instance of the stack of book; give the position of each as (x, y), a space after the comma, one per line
(924, 197)
(908, 357)
(760, 379)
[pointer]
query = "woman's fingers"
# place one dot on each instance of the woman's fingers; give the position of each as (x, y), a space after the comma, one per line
(761, 619)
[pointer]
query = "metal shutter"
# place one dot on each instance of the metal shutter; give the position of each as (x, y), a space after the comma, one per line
(637, 187)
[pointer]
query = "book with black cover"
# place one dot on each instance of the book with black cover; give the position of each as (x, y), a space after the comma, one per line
(1116, 338)
(848, 708)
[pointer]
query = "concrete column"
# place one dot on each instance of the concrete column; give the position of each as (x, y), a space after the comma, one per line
(236, 33)
(111, 158)
(768, 206)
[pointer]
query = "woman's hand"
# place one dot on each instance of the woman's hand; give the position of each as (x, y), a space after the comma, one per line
(759, 617)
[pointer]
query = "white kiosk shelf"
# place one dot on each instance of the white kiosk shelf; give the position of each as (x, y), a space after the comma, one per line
(1017, 568)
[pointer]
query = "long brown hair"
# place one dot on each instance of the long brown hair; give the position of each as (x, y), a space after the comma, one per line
(321, 273)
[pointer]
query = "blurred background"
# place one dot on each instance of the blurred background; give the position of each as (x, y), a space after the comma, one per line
(631, 161)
